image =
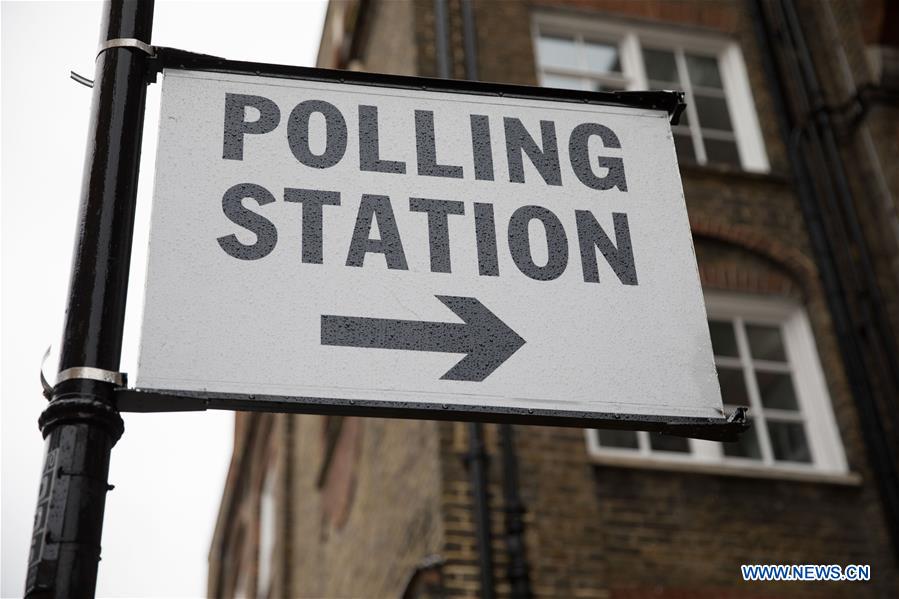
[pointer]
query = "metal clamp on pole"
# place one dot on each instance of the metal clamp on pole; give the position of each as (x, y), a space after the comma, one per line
(47, 387)
(126, 42)
(119, 379)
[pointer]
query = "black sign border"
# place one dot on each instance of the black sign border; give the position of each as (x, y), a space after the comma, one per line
(156, 400)
(671, 102)
(725, 428)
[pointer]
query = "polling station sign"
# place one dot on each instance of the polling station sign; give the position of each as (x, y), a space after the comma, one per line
(342, 243)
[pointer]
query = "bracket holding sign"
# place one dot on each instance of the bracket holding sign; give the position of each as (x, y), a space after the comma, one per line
(348, 243)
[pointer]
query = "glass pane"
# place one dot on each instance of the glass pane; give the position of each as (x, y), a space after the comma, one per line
(557, 51)
(703, 71)
(712, 112)
(724, 342)
(623, 439)
(765, 342)
(733, 386)
(746, 447)
(788, 441)
(721, 150)
(668, 443)
(660, 65)
(561, 81)
(602, 58)
(776, 389)
(683, 143)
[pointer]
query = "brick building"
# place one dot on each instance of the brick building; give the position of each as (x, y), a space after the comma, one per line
(787, 154)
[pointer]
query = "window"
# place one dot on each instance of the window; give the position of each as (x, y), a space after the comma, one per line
(720, 124)
(766, 360)
(574, 62)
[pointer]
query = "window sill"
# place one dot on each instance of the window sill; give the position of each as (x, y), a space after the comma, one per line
(729, 171)
(852, 479)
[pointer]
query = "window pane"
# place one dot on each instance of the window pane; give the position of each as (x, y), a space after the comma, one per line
(746, 447)
(765, 342)
(557, 51)
(776, 389)
(724, 342)
(703, 71)
(721, 150)
(683, 143)
(788, 441)
(668, 443)
(561, 81)
(612, 438)
(660, 65)
(602, 58)
(712, 112)
(733, 386)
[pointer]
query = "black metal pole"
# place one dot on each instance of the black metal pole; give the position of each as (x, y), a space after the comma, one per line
(81, 423)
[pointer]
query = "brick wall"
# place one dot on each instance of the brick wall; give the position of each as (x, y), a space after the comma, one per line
(392, 518)
(402, 490)
(601, 531)
(719, 15)
(690, 533)
(390, 43)
(461, 571)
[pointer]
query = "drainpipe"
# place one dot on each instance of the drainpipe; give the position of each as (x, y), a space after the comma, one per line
(854, 92)
(470, 41)
(834, 206)
(517, 570)
(476, 458)
(441, 42)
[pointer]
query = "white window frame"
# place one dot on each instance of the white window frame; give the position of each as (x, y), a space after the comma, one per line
(631, 38)
(267, 532)
(828, 459)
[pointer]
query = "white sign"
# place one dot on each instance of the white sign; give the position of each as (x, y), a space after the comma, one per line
(356, 242)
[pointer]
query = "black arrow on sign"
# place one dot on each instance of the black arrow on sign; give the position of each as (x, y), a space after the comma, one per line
(487, 340)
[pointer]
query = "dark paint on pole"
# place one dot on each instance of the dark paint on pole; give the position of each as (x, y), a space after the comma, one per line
(81, 422)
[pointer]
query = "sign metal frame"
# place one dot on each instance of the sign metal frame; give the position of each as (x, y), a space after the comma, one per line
(153, 400)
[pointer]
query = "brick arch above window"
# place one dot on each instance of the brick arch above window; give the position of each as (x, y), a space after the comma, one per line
(799, 267)
(726, 266)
